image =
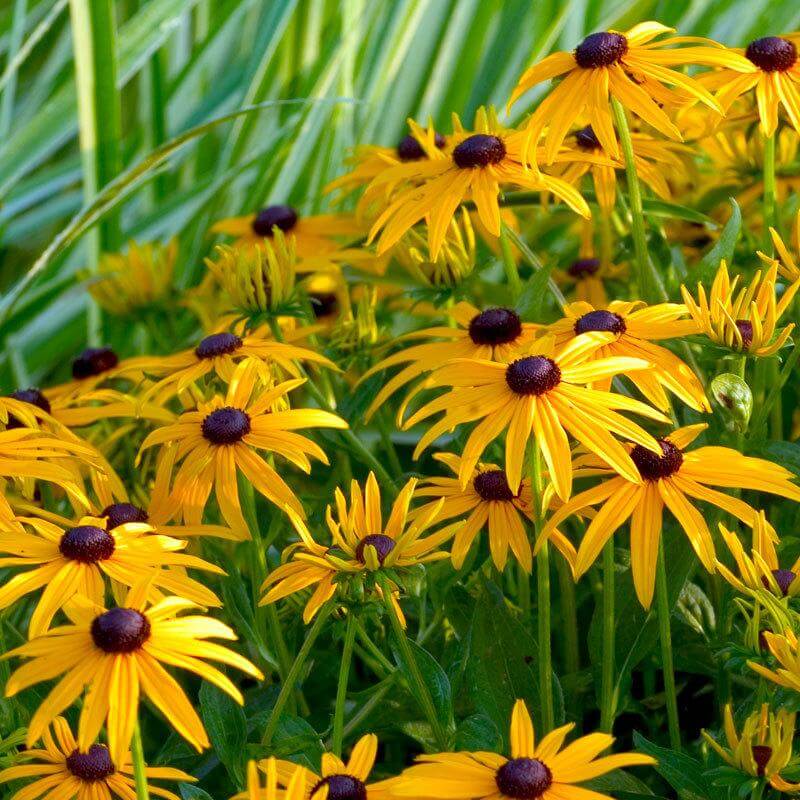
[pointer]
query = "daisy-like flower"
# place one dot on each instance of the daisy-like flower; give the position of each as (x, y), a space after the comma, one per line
(769, 65)
(541, 395)
(91, 368)
(119, 653)
(61, 769)
(547, 771)
(762, 749)
(268, 789)
(586, 277)
(788, 264)
(635, 326)
(493, 334)
(745, 320)
(673, 478)
(487, 502)
(627, 66)
(480, 162)
(73, 559)
(360, 542)
(223, 436)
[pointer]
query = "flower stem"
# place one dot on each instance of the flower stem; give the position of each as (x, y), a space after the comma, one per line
(607, 704)
(509, 264)
(290, 679)
(665, 634)
(341, 688)
(769, 191)
(139, 766)
(648, 284)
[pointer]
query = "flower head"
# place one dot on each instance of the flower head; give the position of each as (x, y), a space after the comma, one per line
(268, 789)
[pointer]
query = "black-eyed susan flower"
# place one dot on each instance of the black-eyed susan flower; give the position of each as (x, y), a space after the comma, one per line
(636, 326)
(788, 263)
(541, 395)
(221, 437)
(744, 319)
(623, 66)
(118, 653)
(674, 478)
(494, 334)
(585, 278)
(480, 162)
(762, 749)
(60, 769)
(547, 770)
(267, 788)
(68, 559)
(360, 542)
(487, 502)
(91, 368)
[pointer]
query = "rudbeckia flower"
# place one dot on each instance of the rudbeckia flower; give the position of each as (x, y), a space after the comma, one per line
(540, 395)
(295, 786)
(745, 320)
(119, 653)
(635, 326)
(91, 368)
(69, 560)
(586, 277)
(493, 334)
(673, 478)
(546, 771)
(788, 264)
(360, 542)
(224, 435)
(480, 162)
(614, 63)
(762, 749)
(61, 769)
(487, 502)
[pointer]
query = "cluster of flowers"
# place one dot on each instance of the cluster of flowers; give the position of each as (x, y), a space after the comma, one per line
(293, 312)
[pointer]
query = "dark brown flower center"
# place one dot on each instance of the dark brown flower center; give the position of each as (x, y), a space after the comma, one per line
(761, 755)
(784, 579)
(583, 267)
(745, 328)
(479, 150)
(94, 765)
(772, 54)
(383, 546)
(533, 375)
(121, 513)
(493, 485)
(120, 630)
(87, 544)
(323, 304)
(523, 778)
(604, 321)
(652, 466)
(601, 50)
(226, 425)
(33, 397)
(283, 217)
(586, 139)
(409, 149)
(342, 787)
(94, 361)
(218, 344)
(495, 326)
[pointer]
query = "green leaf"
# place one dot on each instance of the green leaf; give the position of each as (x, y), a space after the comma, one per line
(226, 725)
(191, 792)
(724, 247)
(682, 772)
(478, 733)
(662, 208)
(531, 301)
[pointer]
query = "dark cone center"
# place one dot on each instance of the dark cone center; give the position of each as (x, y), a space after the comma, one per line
(94, 361)
(583, 268)
(601, 50)
(120, 630)
(218, 344)
(283, 217)
(33, 397)
(495, 326)
(772, 54)
(761, 755)
(94, 765)
(226, 425)
(652, 466)
(493, 485)
(603, 321)
(746, 330)
(586, 139)
(383, 546)
(87, 544)
(323, 304)
(342, 787)
(121, 513)
(784, 579)
(523, 778)
(533, 375)
(479, 150)
(409, 149)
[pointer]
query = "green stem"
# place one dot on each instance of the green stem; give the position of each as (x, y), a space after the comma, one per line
(294, 672)
(606, 238)
(776, 409)
(341, 688)
(776, 386)
(509, 264)
(569, 615)
(384, 424)
(758, 791)
(139, 766)
(648, 284)
(665, 634)
(769, 191)
(607, 704)
(419, 688)
(524, 591)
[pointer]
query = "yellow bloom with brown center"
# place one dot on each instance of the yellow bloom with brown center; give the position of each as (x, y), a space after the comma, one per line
(585, 278)
(636, 327)
(546, 770)
(118, 653)
(212, 443)
(743, 319)
(64, 770)
(622, 66)
(672, 478)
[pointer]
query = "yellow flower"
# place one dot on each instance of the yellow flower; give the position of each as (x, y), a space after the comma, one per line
(586, 277)
(295, 786)
(547, 771)
(745, 320)
(118, 654)
(63, 769)
(673, 479)
(788, 264)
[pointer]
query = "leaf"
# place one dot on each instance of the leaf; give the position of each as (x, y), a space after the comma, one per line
(787, 454)
(682, 772)
(190, 792)
(531, 301)
(725, 245)
(478, 733)
(226, 725)
(661, 208)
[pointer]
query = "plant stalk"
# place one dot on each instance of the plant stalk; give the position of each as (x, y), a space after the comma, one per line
(607, 700)
(139, 766)
(341, 688)
(667, 663)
